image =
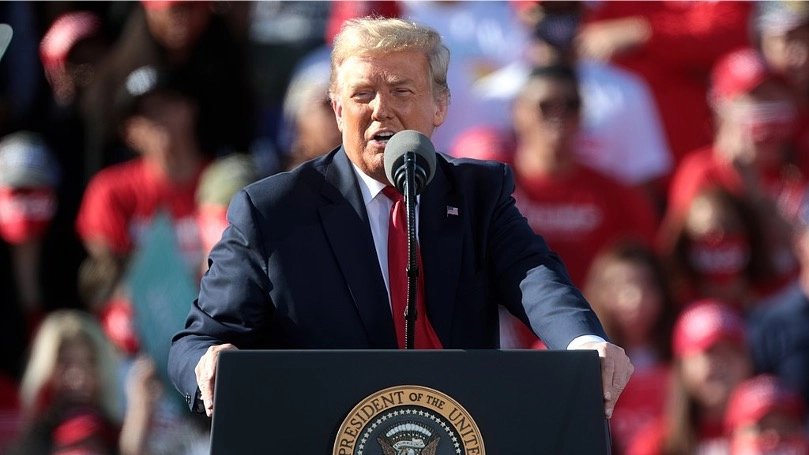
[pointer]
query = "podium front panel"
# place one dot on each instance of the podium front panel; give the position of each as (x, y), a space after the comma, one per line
(515, 402)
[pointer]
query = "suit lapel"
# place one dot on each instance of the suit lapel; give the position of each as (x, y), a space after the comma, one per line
(441, 215)
(345, 223)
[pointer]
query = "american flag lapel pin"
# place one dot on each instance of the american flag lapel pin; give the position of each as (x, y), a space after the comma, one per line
(452, 210)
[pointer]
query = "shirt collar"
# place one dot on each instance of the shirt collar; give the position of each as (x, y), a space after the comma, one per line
(369, 187)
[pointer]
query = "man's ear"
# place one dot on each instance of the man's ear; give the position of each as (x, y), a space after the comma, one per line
(337, 107)
(441, 108)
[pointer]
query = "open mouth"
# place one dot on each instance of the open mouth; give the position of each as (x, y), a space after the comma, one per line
(383, 137)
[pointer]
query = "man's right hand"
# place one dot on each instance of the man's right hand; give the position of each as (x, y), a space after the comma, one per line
(206, 373)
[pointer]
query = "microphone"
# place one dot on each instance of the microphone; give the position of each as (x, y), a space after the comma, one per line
(410, 165)
(405, 147)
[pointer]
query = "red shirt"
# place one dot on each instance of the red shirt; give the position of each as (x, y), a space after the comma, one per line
(641, 403)
(581, 212)
(687, 37)
(121, 200)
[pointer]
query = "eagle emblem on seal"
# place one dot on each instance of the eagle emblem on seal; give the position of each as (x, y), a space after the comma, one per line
(409, 438)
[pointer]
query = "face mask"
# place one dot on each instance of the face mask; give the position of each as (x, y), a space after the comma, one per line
(775, 121)
(25, 213)
(763, 445)
(719, 259)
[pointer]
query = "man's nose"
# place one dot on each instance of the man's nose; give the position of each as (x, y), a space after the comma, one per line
(381, 106)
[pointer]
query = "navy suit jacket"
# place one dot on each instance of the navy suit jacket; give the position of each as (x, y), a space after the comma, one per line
(297, 268)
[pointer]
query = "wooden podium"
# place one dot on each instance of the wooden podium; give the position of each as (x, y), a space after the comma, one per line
(409, 402)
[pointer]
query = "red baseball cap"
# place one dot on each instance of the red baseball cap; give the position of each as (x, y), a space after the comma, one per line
(756, 397)
(67, 30)
(705, 323)
(737, 73)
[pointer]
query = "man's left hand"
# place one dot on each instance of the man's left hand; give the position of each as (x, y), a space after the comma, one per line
(616, 369)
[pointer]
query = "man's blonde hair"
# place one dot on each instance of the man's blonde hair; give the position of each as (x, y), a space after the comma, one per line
(377, 35)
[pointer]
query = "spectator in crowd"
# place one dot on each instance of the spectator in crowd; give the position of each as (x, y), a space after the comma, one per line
(189, 40)
(755, 117)
(765, 417)
(70, 394)
(752, 154)
(70, 51)
(629, 291)
(717, 249)
(310, 128)
(672, 46)
(29, 177)
(69, 390)
(121, 201)
(571, 206)
(620, 133)
(782, 35)
(574, 208)
(779, 339)
(711, 359)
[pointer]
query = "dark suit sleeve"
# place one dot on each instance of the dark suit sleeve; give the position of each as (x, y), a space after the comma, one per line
(233, 304)
(532, 280)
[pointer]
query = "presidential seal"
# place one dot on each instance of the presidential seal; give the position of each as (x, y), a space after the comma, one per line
(408, 420)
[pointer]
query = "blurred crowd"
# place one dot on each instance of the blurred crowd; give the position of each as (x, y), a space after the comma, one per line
(661, 148)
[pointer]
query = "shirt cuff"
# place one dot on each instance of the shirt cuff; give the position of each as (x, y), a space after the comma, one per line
(584, 339)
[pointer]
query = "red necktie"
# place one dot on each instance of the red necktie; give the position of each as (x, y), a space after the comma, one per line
(397, 277)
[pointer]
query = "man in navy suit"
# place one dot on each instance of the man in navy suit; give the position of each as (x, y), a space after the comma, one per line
(303, 264)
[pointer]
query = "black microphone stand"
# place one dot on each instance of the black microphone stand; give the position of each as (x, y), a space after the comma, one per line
(412, 249)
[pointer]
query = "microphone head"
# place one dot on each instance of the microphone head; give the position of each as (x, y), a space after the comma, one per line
(397, 147)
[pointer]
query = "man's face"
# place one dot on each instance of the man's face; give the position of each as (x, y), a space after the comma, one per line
(765, 119)
(546, 114)
(379, 95)
(788, 54)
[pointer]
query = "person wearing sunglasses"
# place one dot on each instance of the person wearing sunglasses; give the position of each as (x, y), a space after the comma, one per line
(577, 209)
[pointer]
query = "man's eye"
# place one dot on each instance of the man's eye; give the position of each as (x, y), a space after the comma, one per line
(363, 95)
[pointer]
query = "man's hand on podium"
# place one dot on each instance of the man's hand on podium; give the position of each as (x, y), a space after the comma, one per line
(206, 373)
(616, 369)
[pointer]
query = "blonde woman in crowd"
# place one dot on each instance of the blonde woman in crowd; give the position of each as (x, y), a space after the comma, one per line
(68, 393)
